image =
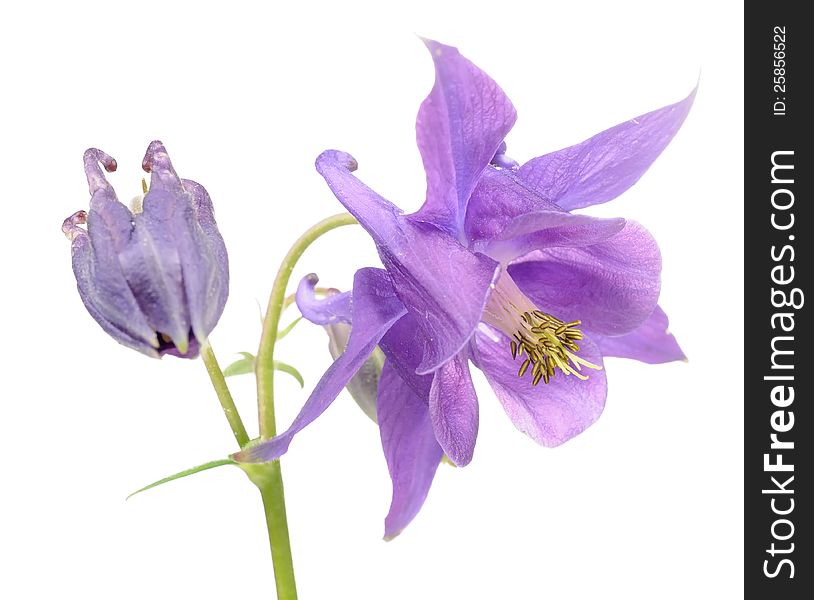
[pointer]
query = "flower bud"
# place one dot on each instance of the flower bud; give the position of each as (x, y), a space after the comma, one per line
(333, 311)
(155, 279)
(363, 386)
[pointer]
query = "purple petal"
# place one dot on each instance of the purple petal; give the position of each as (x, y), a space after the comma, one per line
(379, 217)
(410, 448)
(604, 166)
(650, 343)
(439, 281)
(612, 286)
(460, 127)
(506, 220)
(152, 265)
(498, 199)
(110, 223)
(204, 261)
(363, 387)
(403, 346)
(540, 230)
(174, 259)
(97, 300)
(334, 308)
(102, 284)
(375, 308)
(549, 413)
(454, 409)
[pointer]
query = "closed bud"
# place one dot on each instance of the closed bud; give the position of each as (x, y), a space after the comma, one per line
(156, 277)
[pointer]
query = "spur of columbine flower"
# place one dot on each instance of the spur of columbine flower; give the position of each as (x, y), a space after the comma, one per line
(493, 270)
(155, 277)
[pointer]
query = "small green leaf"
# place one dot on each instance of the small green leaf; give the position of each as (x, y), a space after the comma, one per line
(241, 366)
(246, 365)
(281, 334)
(192, 471)
(281, 366)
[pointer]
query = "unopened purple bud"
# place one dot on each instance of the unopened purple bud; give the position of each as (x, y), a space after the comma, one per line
(156, 280)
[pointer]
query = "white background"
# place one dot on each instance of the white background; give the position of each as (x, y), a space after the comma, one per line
(647, 503)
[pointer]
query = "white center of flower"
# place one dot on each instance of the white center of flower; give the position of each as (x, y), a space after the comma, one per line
(547, 342)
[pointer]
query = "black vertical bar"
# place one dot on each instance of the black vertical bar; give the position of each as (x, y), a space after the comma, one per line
(778, 557)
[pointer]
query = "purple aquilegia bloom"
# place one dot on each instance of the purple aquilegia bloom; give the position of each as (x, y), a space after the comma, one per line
(493, 270)
(156, 279)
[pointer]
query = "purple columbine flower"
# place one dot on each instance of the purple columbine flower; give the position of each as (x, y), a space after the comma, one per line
(155, 278)
(495, 271)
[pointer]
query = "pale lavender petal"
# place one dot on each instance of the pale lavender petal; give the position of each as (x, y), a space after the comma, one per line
(152, 265)
(410, 448)
(439, 281)
(333, 308)
(539, 230)
(205, 263)
(650, 343)
(110, 223)
(454, 409)
(375, 308)
(156, 161)
(99, 274)
(602, 167)
(612, 286)
(175, 260)
(459, 129)
(95, 300)
(549, 413)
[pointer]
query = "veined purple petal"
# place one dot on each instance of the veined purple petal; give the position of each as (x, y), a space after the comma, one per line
(439, 281)
(410, 448)
(334, 308)
(176, 262)
(460, 127)
(100, 279)
(375, 308)
(378, 216)
(612, 286)
(650, 343)
(454, 409)
(535, 231)
(444, 285)
(403, 345)
(549, 413)
(204, 261)
(602, 167)
(152, 266)
(95, 302)
(498, 199)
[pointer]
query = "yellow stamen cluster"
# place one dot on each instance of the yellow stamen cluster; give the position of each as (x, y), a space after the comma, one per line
(548, 344)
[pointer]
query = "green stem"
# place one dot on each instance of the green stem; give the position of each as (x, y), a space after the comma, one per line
(265, 354)
(277, 524)
(224, 395)
(271, 487)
